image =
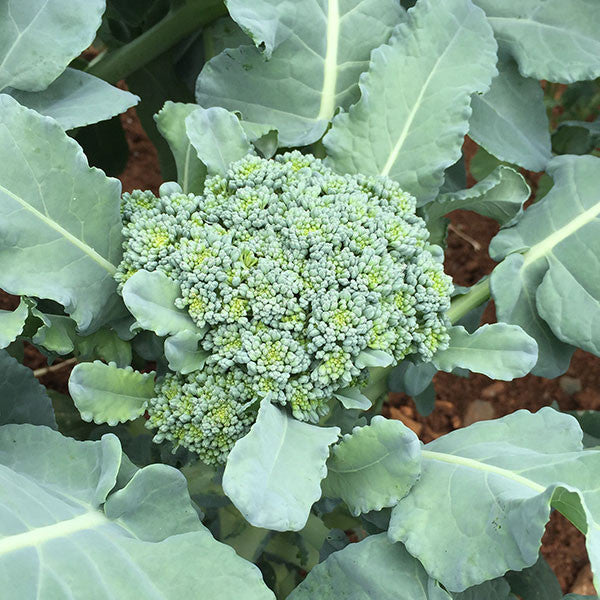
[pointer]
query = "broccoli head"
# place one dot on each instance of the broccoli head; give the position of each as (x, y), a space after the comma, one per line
(299, 275)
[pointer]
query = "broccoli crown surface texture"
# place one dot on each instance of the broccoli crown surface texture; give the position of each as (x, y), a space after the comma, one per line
(298, 274)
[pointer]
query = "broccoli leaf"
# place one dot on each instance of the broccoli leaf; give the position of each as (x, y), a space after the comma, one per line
(217, 136)
(58, 335)
(552, 291)
(314, 67)
(374, 466)
(107, 394)
(134, 541)
(553, 40)
(181, 350)
(12, 323)
(499, 351)
(273, 474)
(76, 99)
(22, 398)
(493, 485)
(170, 121)
(150, 297)
(373, 568)
(500, 196)
(41, 37)
(392, 129)
(60, 228)
(510, 120)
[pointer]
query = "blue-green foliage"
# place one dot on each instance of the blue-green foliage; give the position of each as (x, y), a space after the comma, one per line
(298, 273)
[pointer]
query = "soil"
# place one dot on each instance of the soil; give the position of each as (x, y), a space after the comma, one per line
(459, 401)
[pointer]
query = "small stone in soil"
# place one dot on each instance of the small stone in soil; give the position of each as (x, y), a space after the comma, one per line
(478, 410)
(491, 391)
(569, 385)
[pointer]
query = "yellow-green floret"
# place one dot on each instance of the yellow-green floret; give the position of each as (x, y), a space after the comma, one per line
(297, 273)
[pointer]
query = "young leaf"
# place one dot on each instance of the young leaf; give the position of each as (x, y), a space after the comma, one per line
(60, 228)
(553, 40)
(107, 394)
(500, 196)
(313, 69)
(76, 99)
(58, 335)
(170, 121)
(136, 541)
(499, 351)
(264, 138)
(41, 37)
(150, 297)
(510, 120)
(22, 398)
(273, 474)
(576, 137)
(391, 130)
(12, 323)
(552, 291)
(352, 398)
(374, 466)
(217, 136)
(373, 568)
(493, 485)
(181, 350)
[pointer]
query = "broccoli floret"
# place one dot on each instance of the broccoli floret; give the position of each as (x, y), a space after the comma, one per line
(295, 271)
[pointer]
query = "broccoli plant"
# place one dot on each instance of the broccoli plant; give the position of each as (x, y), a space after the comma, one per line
(235, 333)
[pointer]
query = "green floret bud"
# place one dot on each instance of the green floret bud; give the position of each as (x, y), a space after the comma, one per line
(205, 412)
(294, 270)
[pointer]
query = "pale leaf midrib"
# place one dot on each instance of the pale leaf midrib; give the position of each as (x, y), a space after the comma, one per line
(95, 256)
(36, 537)
(330, 66)
(481, 466)
(545, 247)
(417, 105)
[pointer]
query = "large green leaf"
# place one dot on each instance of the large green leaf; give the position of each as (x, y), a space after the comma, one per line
(510, 120)
(552, 291)
(485, 493)
(12, 323)
(553, 40)
(499, 351)
(500, 196)
(66, 535)
(273, 474)
(374, 466)
(22, 398)
(414, 111)
(76, 99)
(60, 228)
(313, 69)
(217, 136)
(150, 297)
(374, 569)
(39, 38)
(107, 394)
(171, 124)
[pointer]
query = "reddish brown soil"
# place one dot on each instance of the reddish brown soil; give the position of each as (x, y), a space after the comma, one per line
(459, 401)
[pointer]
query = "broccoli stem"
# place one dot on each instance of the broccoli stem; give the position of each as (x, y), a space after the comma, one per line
(477, 295)
(464, 304)
(179, 23)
